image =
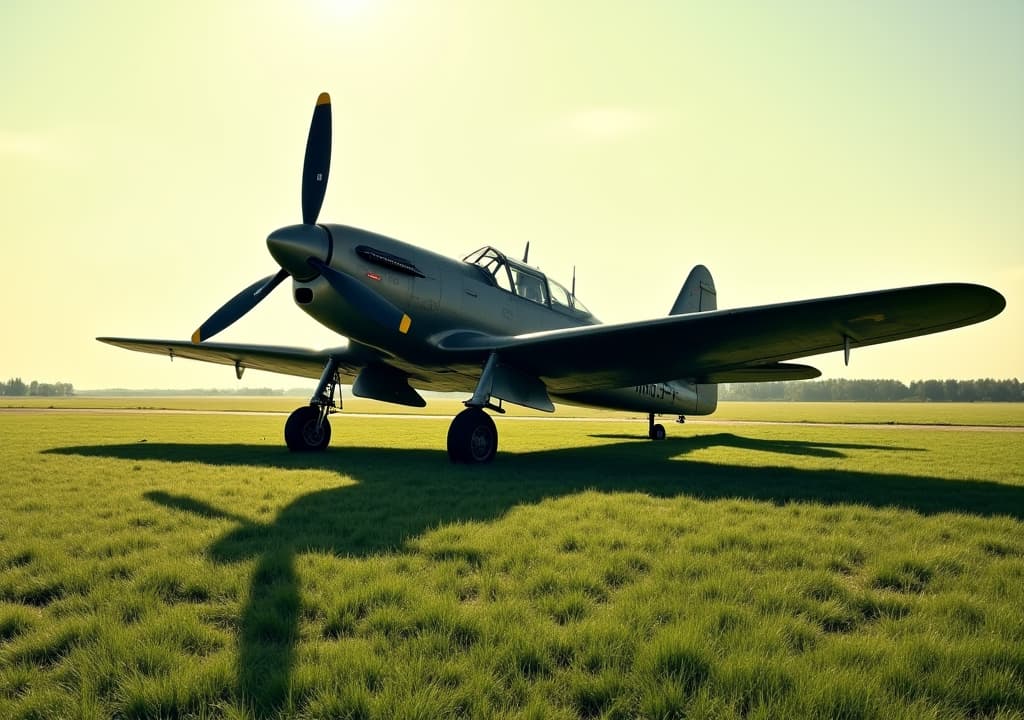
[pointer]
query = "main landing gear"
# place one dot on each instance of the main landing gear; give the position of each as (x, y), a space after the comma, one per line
(307, 428)
(472, 437)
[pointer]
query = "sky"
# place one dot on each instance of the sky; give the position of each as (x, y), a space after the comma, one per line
(798, 149)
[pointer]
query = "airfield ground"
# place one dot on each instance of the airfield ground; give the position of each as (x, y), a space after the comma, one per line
(185, 564)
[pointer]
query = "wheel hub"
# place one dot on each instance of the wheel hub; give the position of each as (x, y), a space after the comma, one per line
(480, 443)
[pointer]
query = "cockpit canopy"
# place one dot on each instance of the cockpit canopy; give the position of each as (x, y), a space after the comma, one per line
(525, 281)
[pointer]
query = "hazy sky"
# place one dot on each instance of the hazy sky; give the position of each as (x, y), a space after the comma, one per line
(796, 148)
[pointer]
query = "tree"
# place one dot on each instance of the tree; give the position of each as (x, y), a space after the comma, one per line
(15, 387)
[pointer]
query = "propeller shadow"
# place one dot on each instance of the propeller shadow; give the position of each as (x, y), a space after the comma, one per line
(401, 493)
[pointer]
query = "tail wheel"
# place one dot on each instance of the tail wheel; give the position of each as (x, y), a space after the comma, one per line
(305, 431)
(654, 432)
(472, 437)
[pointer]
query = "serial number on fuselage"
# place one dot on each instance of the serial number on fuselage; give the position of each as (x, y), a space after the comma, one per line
(658, 391)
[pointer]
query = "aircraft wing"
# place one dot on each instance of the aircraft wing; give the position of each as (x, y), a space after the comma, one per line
(705, 346)
(286, 360)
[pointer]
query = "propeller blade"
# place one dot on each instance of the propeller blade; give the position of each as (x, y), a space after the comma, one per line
(317, 165)
(238, 306)
(374, 306)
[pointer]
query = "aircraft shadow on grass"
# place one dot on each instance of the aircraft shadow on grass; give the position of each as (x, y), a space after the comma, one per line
(784, 447)
(399, 493)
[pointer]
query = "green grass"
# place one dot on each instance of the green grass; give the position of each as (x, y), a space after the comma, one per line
(913, 413)
(167, 566)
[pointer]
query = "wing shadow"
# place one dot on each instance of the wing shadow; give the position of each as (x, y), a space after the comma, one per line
(785, 447)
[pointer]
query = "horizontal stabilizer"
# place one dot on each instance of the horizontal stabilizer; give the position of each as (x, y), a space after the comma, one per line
(763, 373)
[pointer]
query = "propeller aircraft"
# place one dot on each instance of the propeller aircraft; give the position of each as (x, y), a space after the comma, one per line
(502, 331)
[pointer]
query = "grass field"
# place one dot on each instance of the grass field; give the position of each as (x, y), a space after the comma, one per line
(167, 566)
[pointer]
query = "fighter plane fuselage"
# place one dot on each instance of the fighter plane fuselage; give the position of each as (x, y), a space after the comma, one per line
(443, 297)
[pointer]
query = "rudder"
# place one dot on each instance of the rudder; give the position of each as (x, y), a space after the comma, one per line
(698, 293)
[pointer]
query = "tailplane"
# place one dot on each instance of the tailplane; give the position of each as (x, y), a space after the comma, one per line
(698, 293)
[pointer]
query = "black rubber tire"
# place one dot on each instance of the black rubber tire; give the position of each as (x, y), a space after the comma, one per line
(300, 431)
(472, 438)
(657, 432)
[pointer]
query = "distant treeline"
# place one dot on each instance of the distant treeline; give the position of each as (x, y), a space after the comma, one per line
(16, 387)
(986, 390)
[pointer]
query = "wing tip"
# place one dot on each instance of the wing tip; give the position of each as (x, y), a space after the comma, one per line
(982, 301)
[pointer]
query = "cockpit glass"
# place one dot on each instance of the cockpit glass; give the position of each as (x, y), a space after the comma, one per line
(493, 264)
(530, 286)
(526, 282)
(563, 298)
(559, 295)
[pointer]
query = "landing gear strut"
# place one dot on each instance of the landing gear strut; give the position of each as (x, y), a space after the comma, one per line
(654, 432)
(307, 428)
(472, 436)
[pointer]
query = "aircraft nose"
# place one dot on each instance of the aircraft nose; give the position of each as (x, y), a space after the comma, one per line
(294, 245)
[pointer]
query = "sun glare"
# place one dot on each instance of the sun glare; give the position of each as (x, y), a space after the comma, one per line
(342, 9)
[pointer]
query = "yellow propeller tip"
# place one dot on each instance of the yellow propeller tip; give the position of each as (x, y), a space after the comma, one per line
(324, 99)
(196, 338)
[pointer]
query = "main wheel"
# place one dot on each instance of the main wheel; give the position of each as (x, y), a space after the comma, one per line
(301, 431)
(657, 432)
(472, 437)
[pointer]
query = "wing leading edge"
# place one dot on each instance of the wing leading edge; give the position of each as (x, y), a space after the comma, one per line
(286, 360)
(709, 346)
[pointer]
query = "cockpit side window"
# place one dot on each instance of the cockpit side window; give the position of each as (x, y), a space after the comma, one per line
(559, 295)
(501, 277)
(531, 287)
(562, 299)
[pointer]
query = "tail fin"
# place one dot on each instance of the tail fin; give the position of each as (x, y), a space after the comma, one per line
(698, 293)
